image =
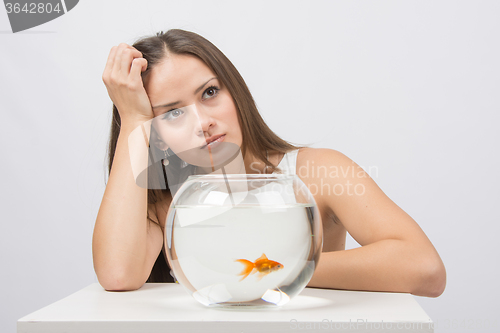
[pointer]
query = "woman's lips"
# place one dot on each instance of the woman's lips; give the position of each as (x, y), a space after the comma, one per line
(214, 143)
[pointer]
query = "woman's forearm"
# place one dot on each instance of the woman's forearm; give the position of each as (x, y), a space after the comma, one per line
(121, 230)
(388, 265)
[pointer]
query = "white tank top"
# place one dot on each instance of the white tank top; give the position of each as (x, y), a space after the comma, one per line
(288, 163)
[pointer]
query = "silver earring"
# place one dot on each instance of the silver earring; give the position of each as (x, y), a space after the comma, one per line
(165, 160)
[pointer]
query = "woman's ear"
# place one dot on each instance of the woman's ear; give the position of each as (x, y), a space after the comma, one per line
(158, 143)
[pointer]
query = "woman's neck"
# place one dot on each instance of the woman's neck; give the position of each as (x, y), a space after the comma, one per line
(250, 164)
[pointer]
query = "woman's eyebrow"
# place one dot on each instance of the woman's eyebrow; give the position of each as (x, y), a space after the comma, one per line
(166, 105)
(195, 92)
(201, 87)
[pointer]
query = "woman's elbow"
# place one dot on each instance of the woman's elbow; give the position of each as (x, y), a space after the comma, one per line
(432, 282)
(113, 282)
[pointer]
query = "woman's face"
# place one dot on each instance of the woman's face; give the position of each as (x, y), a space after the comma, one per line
(190, 106)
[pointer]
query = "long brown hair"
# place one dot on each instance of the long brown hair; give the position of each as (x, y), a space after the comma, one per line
(257, 136)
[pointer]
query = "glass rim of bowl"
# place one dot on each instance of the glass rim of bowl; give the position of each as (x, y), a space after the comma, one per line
(243, 176)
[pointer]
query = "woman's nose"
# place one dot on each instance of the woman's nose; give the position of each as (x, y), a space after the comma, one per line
(205, 120)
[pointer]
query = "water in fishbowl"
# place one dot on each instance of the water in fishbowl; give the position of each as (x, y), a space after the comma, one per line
(243, 254)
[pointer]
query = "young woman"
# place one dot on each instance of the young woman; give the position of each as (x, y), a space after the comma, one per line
(167, 74)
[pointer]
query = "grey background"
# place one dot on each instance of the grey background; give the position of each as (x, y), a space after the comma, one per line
(408, 88)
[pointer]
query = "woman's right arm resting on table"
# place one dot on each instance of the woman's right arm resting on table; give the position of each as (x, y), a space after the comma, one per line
(125, 243)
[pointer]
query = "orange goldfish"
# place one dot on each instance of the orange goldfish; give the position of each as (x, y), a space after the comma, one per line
(262, 265)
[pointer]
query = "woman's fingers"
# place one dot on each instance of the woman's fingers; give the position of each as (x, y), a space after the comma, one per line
(109, 64)
(122, 77)
(138, 65)
(128, 55)
(118, 61)
(119, 69)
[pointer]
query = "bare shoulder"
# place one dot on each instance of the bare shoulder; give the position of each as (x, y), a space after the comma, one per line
(331, 176)
(319, 153)
(324, 162)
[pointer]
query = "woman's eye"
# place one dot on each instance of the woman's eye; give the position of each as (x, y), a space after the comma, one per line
(173, 114)
(210, 92)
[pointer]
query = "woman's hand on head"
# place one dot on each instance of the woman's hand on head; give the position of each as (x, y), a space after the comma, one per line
(122, 77)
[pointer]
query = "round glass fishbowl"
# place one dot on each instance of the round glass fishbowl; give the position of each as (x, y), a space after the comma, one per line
(237, 240)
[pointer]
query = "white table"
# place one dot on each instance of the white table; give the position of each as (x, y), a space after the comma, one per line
(158, 307)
